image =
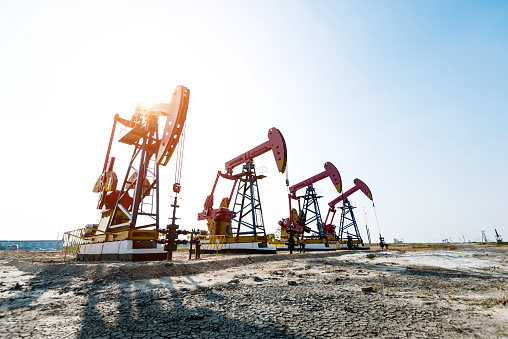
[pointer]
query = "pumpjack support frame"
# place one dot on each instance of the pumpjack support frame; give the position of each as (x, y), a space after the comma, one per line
(249, 213)
(348, 223)
(311, 213)
(144, 151)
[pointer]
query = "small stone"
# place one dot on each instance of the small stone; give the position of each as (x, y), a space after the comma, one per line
(17, 286)
(292, 283)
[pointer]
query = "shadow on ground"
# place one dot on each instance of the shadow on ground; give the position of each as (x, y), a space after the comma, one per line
(52, 277)
(157, 310)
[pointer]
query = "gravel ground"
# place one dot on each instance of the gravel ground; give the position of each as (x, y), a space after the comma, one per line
(311, 295)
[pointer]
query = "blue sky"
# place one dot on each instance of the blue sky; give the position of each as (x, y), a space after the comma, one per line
(410, 97)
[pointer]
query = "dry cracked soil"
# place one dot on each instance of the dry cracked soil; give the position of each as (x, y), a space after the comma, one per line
(341, 294)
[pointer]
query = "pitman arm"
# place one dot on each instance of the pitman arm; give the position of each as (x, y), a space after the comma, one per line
(330, 172)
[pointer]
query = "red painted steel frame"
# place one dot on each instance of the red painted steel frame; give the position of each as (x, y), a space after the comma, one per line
(207, 213)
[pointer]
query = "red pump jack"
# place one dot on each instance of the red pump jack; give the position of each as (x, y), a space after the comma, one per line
(243, 224)
(345, 237)
(308, 211)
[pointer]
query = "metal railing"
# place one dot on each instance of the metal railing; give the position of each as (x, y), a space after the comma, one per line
(274, 240)
(211, 242)
(72, 240)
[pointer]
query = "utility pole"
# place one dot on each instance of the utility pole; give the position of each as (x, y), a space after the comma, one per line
(366, 226)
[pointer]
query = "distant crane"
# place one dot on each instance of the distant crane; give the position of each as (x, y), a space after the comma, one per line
(498, 236)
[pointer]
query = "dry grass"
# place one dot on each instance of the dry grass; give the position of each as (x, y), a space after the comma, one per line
(486, 302)
(30, 254)
(502, 245)
(418, 247)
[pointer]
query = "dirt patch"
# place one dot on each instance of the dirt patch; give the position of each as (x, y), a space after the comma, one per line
(335, 294)
(419, 247)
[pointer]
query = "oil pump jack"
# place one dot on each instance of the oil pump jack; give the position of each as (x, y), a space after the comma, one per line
(308, 212)
(129, 227)
(348, 235)
(242, 229)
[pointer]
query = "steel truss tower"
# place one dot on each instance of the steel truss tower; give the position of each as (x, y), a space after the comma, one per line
(310, 211)
(145, 180)
(247, 215)
(348, 229)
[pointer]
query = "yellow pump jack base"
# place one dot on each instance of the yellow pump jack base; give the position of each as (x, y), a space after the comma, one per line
(239, 244)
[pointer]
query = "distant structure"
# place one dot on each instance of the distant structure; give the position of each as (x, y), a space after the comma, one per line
(498, 236)
(366, 225)
(484, 237)
(36, 245)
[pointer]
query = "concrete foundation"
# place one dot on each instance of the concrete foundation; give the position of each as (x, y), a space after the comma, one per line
(126, 250)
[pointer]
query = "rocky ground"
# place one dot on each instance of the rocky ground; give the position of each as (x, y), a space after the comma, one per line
(393, 294)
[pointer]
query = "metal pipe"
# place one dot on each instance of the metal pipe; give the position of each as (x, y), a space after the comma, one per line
(110, 143)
